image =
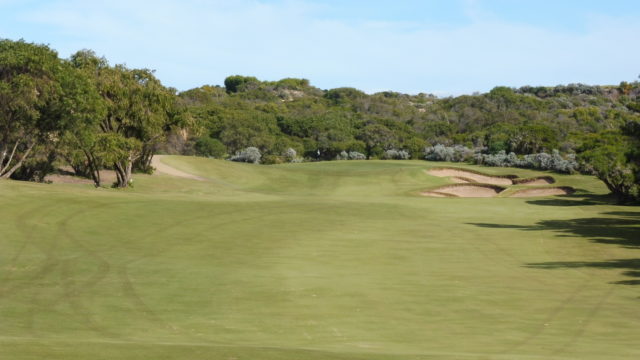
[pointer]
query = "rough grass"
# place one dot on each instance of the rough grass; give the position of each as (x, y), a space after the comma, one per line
(334, 260)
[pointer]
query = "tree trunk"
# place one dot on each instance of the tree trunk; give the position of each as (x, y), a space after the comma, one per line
(93, 168)
(3, 156)
(123, 172)
(144, 163)
(120, 175)
(7, 174)
(4, 167)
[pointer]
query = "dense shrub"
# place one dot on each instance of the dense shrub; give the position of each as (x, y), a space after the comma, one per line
(272, 159)
(394, 154)
(249, 155)
(208, 147)
(351, 155)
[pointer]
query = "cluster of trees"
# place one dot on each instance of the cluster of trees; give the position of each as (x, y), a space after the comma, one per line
(92, 115)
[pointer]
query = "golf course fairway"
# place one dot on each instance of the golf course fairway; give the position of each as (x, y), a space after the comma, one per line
(327, 260)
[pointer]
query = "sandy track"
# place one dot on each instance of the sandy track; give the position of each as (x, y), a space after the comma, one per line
(484, 179)
(107, 177)
(163, 168)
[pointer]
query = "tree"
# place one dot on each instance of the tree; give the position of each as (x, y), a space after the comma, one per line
(607, 155)
(28, 85)
(377, 139)
(139, 111)
(237, 83)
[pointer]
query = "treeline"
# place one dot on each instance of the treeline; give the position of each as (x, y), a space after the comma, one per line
(92, 116)
(273, 116)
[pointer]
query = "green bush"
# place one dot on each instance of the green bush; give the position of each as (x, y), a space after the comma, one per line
(272, 159)
(208, 147)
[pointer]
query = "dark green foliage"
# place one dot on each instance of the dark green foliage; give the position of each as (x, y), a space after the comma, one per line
(30, 92)
(237, 83)
(138, 113)
(341, 96)
(612, 157)
(208, 147)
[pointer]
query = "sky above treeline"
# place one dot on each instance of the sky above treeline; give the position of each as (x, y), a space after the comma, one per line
(441, 47)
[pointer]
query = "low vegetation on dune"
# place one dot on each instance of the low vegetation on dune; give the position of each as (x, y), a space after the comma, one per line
(324, 260)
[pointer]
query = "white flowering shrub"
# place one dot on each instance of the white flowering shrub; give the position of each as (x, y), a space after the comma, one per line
(541, 161)
(394, 154)
(351, 155)
(456, 153)
(248, 155)
(291, 155)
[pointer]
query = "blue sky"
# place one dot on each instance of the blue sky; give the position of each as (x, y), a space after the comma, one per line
(442, 47)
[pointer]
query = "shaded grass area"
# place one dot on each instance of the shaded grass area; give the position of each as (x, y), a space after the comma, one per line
(339, 260)
(621, 228)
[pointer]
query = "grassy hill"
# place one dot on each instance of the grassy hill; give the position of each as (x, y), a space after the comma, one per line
(330, 260)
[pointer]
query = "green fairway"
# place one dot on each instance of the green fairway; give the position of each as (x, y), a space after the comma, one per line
(328, 260)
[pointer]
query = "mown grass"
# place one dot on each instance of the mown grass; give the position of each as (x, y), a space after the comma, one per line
(334, 260)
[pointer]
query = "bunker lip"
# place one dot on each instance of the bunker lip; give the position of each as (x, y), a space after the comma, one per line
(538, 180)
(474, 176)
(462, 180)
(544, 191)
(469, 190)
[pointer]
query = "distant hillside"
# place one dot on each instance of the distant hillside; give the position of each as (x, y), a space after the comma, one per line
(291, 113)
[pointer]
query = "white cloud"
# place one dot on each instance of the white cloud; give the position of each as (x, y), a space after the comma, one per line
(191, 43)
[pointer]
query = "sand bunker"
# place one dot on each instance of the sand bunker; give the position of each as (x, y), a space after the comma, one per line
(479, 178)
(475, 190)
(540, 180)
(473, 184)
(565, 190)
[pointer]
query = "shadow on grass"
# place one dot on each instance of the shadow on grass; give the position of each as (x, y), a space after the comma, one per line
(578, 199)
(620, 228)
(631, 265)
